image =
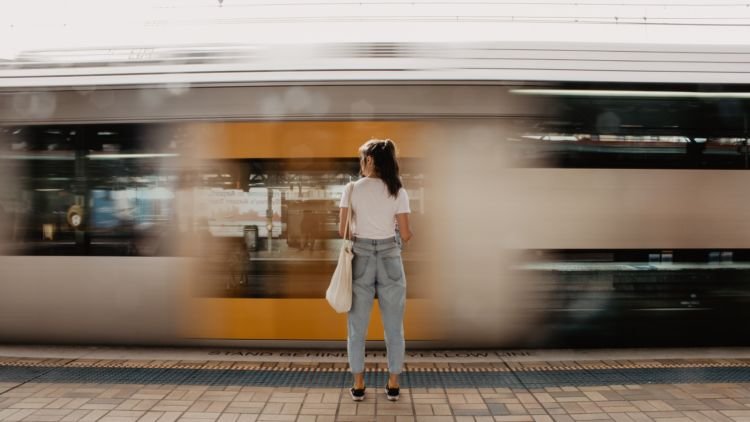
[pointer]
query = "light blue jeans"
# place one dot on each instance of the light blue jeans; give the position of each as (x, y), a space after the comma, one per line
(377, 269)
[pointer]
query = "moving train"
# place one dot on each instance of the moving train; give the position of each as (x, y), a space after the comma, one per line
(561, 194)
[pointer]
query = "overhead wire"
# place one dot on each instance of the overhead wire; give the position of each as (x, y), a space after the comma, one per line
(636, 17)
(226, 3)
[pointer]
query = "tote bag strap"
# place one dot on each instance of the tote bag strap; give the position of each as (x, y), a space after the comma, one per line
(348, 228)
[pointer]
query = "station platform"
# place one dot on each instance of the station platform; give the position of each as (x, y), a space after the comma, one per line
(42, 383)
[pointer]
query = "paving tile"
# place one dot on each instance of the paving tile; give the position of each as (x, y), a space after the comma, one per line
(516, 409)
(272, 408)
(639, 417)
(125, 414)
(441, 410)
(365, 409)
(169, 417)
(263, 417)
(559, 411)
(470, 410)
(713, 415)
(429, 400)
(19, 414)
(619, 409)
(217, 407)
(150, 416)
(74, 415)
(664, 415)
(117, 419)
(318, 409)
(394, 409)
(249, 407)
(93, 415)
(201, 415)
(331, 397)
(43, 415)
(5, 413)
(423, 410)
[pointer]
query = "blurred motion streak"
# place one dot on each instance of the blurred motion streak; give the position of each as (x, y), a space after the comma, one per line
(563, 194)
(479, 300)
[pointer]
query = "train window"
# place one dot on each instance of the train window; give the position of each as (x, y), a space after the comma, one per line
(648, 133)
(647, 152)
(90, 189)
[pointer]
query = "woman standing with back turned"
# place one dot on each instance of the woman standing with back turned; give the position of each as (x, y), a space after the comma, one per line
(378, 202)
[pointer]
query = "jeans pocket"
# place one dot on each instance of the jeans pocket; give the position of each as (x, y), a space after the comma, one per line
(393, 267)
(359, 265)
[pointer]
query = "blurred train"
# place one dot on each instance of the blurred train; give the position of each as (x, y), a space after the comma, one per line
(561, 195)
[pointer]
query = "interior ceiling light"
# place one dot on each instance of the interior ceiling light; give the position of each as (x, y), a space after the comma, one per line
(117, 156)
(626, 93)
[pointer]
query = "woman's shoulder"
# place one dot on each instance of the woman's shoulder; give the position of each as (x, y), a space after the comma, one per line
(369, 181)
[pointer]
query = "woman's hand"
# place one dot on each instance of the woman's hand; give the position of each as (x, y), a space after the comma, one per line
(403, 228)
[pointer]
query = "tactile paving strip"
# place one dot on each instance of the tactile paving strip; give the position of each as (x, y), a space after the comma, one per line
(528, 366)
(272, 374)
(20, 374)
(301, 378)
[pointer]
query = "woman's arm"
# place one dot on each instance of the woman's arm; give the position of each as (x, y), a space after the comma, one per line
(342, 221)
(403, 227)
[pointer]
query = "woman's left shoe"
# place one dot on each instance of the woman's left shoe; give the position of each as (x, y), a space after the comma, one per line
(358, 394)
(392, 394)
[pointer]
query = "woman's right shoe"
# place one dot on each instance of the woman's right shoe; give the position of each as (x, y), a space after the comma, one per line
(392, 394)
(358, 394)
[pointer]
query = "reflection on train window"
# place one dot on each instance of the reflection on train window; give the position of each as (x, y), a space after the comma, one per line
(91, 189)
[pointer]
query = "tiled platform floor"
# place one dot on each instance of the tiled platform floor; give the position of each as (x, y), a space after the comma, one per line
(591, 389)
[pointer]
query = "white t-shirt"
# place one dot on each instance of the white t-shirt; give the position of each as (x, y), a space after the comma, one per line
(374, 209)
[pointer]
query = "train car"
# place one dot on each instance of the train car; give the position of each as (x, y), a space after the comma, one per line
(562, 194)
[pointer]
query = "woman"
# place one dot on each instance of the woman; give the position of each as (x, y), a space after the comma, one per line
(378, 202)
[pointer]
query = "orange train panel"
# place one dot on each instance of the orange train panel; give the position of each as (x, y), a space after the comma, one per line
(339, 139)
(290, 319)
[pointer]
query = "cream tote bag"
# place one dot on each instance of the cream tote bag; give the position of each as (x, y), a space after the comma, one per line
(339, 293)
